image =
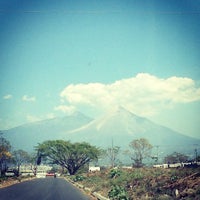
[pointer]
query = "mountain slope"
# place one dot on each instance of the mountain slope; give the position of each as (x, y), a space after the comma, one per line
(29, 135)
(119, 126)
(122, 127)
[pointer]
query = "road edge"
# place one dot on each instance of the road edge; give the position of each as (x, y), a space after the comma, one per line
(86, 189)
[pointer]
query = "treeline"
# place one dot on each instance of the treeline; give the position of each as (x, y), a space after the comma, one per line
(10, 157)
(74, 156)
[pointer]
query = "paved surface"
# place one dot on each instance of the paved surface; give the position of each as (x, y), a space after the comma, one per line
(42, 189)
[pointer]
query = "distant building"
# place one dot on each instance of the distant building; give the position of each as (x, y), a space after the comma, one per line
(31, 170)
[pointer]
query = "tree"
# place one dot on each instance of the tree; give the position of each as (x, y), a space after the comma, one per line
(112, 154)
(175, 158)
(141, 149)
(34, 160)
(19, 157)
(71, 156)
(5, 154)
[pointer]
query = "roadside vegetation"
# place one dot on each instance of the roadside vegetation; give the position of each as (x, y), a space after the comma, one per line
(143, 183)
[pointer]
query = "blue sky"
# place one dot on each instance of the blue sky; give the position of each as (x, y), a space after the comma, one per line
(61, 56)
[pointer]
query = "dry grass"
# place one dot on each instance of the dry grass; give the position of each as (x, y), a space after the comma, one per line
(148, 183)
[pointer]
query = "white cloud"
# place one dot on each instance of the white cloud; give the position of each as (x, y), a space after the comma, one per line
(143, 94)
(65, 109)
(8, 96)
(27, 98)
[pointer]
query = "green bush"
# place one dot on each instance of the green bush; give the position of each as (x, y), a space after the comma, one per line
(114, 173)
(78, 178)
(173, 178)
(117, 193)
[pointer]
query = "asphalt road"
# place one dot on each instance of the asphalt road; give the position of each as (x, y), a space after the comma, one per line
(42, 189)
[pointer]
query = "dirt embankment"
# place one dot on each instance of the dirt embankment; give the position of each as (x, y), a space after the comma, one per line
(187, 186)
(13, 180)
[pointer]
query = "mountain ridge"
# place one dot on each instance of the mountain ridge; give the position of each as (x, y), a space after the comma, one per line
(30, 134)
(119, 125)
(123, 126)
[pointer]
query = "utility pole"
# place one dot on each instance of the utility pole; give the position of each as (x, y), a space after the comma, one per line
(157, 152)
(195, 151)
(155, 158)
(112, 155)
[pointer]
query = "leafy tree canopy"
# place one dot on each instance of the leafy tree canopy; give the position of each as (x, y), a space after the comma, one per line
(5, 148)
(19, 157)
(5, 154)
(141, 149)
(71, 156)
(175, 158)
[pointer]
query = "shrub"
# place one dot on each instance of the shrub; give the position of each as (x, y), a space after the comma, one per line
(117, 193)
(114, 173)
(78, 178)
